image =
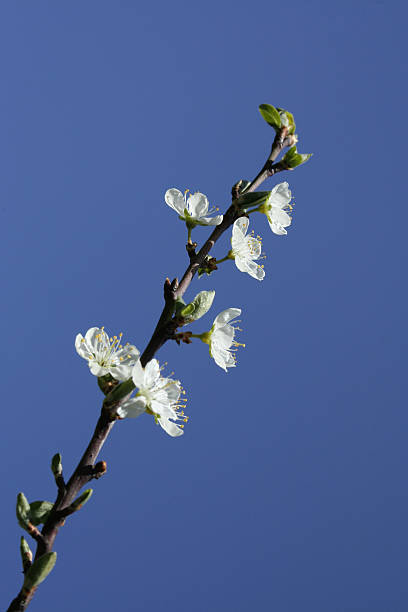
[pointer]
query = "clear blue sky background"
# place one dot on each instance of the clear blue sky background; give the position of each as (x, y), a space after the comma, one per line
(288, 491)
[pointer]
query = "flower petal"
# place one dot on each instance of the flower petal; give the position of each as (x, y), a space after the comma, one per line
(225, 316)
(170, 427)
(277, 229)
(280, 195)
(240, 262)
(240, 226)
(223, 336)
(197, 204)
(255, 270)
(138, 374)
(210, 220)
(132, 408)
(151, 373)
(81, 347)
(223, 358)
(96, 369)
(90, 337)
(175, 199)
(121, 372)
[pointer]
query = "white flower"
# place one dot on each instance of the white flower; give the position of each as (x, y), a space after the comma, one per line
(158, 396)
(276, 207)
(245, 249)
(192, 210)
(220, 339)
(106, 355)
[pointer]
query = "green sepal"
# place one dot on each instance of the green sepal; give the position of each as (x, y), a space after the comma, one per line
(56, 465)
(292, 158)
(198, 307)
(39, 570)
(287, 120)
(22, 510)
(271, 115)
(247, 200)
(39, 511)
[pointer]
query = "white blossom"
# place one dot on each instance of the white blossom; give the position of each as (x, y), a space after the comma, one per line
(245, 249)
(158, 396)
(276, 207)
(220, 339)
(106, 355)
(192, 209)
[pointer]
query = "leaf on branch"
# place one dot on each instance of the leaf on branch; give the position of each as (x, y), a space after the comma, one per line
(39, 570)
(292, 158)
(247, 200)
(271, 115)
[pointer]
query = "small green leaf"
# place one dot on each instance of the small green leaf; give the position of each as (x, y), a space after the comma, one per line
(292, 158)
(39, 511)
(39, 570)
(271, 115)
(22, 510)
(81, 500)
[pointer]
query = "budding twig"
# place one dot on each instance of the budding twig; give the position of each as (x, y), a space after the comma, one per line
(67, 501)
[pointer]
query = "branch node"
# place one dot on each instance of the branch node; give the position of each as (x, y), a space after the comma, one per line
(191, 247)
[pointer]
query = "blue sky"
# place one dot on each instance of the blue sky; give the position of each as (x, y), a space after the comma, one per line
(288, 490)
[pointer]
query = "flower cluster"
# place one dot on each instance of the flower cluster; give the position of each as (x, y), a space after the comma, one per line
(160, 396)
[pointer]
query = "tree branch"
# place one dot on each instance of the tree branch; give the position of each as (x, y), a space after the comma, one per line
(165, 329)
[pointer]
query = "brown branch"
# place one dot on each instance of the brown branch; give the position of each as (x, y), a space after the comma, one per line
(165, 329)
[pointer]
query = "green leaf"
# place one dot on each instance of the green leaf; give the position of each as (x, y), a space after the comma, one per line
(39, 570)
(81, 500)
(22, 510)
(39, 511)
(251, 199)
(292, 158)
(271, 115)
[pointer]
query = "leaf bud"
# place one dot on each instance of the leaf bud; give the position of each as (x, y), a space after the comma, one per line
(39, 570)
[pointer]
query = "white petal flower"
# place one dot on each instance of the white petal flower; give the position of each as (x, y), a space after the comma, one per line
(220, 339)
(106, 355)
(245, 249)
(158, 396)
(192, 209)
(276, 207)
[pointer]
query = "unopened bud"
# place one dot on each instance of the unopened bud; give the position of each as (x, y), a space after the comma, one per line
(56, 465)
